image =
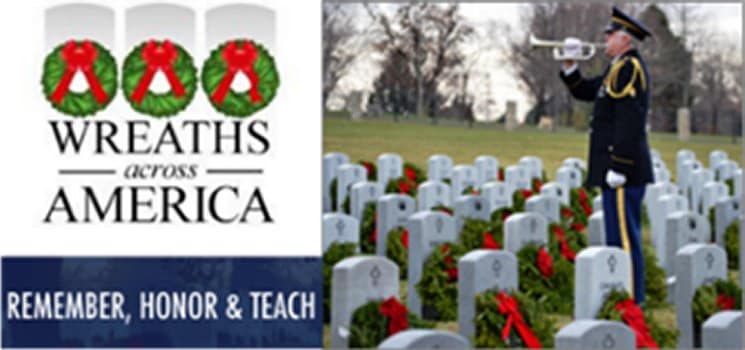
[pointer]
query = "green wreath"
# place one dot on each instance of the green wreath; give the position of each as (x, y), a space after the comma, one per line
(655, 288)
(732, 244)
(574, 242)
(555, 292)
(711, 298)
(402, 185)
(489, 322)
(581, 204)
(336, 252)
(74, 57)
(369, 327)
(438, 287)
(240, 56)
(665, 336)
(472, 236)
(397, 249)
(518, 199)
(368, 231)
(371, 168)
(155, 57)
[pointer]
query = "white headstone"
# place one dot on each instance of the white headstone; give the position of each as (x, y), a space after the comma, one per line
(595, 334)
(738, 183)
(700, 178)
(431, 194)
(523, 228)
(569, 176)
(392, 211)
(356, 281)
(425, 339)
(653, 193)
(723, 330)
(346, 176)
(667, 204)
(685, 177)
(547, 206)
(427, 229)
(497, 194)
(695, 265)
(598, 270)
(715, 157)
(390, 166)
(361, 194)
(517, 178)
(439, 167)
(661, 175)
(724, 170)
(574, 162)
(478, 271)
(597, 203)
(681, 157)
(487, 169)
(726, 211)
(534, 166)
(711, 194)
(463, 177)
(340, 228)
(470, 207)
(683, 228)
(331, 162)
(596, 228)
(557, 190)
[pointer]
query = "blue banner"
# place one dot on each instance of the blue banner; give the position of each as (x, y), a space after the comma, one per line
(162, 302)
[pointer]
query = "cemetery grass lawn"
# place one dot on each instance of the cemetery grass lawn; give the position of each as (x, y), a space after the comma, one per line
(415, 142)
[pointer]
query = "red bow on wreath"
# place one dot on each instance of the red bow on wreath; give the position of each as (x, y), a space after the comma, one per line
(725, 302)
(507, 305)
(403, 186)
(368, 168)
(450, 268)
(410, 174)
(567, 213)
(395, 312)
(239, 58)
(158, 57)
(584, 203)
(526, 193)
(79, 57)
(374, 235)
(564, 248)
(489, 242)
(405, 239)
(633, 316)
(545, 263)
(577, 226)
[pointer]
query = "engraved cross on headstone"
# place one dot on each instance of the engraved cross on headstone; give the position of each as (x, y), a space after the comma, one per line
(439, 224)
(375, 275)
(709, 260)
(496, 266)
(533, 225)
(340, 227)
(612, 263)
(608, 341)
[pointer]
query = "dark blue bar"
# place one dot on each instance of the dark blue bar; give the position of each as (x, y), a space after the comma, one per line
(195, 277)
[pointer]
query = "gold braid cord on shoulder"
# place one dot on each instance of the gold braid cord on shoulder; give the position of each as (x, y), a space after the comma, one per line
(628, 90)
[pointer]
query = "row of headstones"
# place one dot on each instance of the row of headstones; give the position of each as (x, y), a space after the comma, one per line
(700, 185)
(360, 279)
(482, 174)
(394, 210)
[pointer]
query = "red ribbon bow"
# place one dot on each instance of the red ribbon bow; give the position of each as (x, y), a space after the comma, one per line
(505, 216)
(368, 168)
(239, 58)
(564, 248)
(79, 57)
(450, 268)
(403, 187)
(410, 174)
(633, 316)
(489, 242)
(545, 263)
(577, 227)
(405, 238)
(725, 302)
(374, 235)
(507, 305)
(584, 203)
(526, 193)
(158, 57)
(537, 184)
(567, 213)
(395, 312)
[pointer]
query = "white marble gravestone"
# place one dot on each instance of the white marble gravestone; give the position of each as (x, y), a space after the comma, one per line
(497, 194)
(596, 229)
(569, 176)
(361, 194)
(470, 207)
(431, 194)
(557, 190)
(346, 176)
(392, 211)
(439, 167)
(464, 176)
(723, 330)
(595, 334)
(425, 339)
(726, 211)
(523, 228)
(331, 162)
(340, 228)
(517, 178)
(534, 166)
(598, 270)
(715, 157)
(487, 169)
(547, 206)
(390, 167)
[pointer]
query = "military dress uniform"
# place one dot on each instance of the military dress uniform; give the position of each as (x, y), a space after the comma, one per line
(618, 142)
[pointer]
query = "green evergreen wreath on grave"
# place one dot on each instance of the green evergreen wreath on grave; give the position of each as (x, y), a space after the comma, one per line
(397, 249)
(479, 234)
(663, 336)
(489, 323)
(565, 243)
(368, 230)
(470, 190)
(581, 205)
(401, 185)
(518, 199)
(655, 289)
(85, 57)
(721, 295)
(438, 287)
(345, 205)
(240, 56)
(732, 244)
(549, 284)
(336, 252)
(369, 326)
(371, 168)
(730, 186)
(414, 173)
(536, 184)
(143, 63)
(500, 174)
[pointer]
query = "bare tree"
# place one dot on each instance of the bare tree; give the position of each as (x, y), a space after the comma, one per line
(338, 53)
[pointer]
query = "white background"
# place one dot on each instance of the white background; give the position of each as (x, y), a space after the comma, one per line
(30, 159)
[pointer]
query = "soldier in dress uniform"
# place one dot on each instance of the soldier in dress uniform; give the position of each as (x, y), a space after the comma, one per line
(619, 160)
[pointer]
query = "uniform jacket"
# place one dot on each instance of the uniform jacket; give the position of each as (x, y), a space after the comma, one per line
(618, 137)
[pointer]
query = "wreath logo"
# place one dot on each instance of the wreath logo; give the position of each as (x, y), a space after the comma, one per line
(144, 62)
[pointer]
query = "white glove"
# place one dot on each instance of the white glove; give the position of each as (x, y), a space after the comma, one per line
(572, 47)
(615, 179)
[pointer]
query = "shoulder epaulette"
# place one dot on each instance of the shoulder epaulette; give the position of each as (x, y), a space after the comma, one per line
(611, 80)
